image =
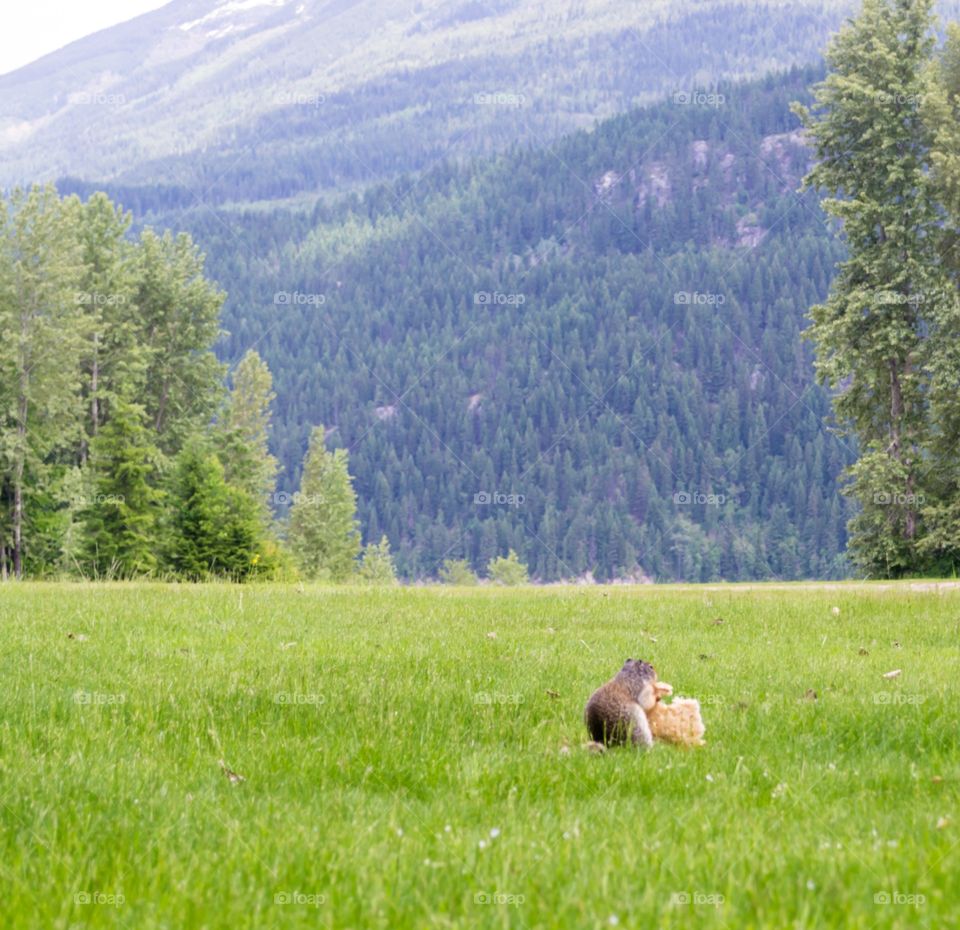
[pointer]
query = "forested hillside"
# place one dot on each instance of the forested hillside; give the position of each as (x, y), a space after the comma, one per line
(605, 333)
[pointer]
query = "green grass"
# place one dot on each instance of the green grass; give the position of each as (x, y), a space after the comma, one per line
(413, 776)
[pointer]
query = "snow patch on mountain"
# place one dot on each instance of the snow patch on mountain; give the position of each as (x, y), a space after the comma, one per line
(18, 131)
(228, 8)
(225, 31)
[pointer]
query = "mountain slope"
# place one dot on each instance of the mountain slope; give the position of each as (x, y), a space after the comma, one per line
(251, 99)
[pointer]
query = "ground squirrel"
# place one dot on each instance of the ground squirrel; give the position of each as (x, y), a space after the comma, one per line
(617, 711)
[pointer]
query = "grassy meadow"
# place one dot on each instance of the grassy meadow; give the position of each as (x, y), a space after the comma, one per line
(411, 758)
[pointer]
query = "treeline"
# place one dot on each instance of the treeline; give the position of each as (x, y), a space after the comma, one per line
(592, 354)
(123, 452)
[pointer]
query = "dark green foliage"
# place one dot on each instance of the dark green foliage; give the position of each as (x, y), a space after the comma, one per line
(214, 529)
(886, 337)
(121, 518)
(47, 522)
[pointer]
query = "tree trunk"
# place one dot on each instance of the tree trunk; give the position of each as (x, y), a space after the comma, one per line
(896, 450)
(896, 410)
(162, 406)
(94, 385)
(94, 400)
(18, 519)
(910, 517)
(21, 453)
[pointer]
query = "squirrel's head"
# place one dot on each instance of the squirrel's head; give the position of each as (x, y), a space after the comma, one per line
(640, 669)
(641, 678)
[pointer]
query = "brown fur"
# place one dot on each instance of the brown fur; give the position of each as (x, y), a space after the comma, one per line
(617, 711)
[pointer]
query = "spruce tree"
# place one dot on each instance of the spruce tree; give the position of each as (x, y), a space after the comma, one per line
(120, 521)
(941, 541)
(215, 529)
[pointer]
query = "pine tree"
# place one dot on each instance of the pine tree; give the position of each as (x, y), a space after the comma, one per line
(877, 334)
(323, 529)
(941, 543)
(120, 522)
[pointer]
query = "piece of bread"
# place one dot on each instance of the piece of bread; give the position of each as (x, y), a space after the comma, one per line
(677, 722)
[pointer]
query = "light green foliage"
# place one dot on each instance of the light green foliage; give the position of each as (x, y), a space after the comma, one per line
(114, 357)
(40, 320)
(941, 109)
(244, 430)
(180, 315)
(404, 768)
(72, 493)
(96, 326)
(323, 527)
(376, 564)
(457, 572)
(507, 570)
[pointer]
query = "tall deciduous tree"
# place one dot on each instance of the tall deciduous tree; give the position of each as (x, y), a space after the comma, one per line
(323, 527)
(39, 353)
(113, 359)
(180, 319)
